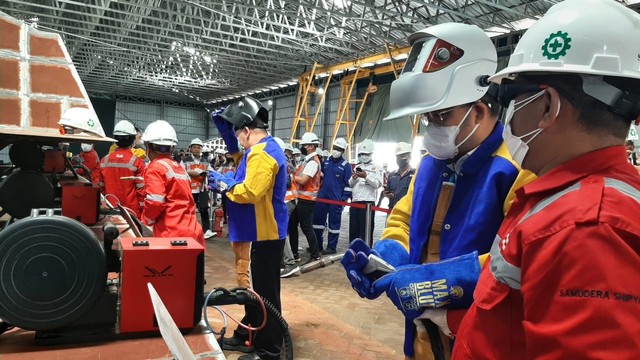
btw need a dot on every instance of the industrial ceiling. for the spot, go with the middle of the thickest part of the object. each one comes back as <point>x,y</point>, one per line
<point>210,51</point>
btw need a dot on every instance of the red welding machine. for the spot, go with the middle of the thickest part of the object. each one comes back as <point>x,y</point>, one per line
<point>175,267</point>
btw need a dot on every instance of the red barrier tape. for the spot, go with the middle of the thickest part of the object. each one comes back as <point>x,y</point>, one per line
<point>355,205</point>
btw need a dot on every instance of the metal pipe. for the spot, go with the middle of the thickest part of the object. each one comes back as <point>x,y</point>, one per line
<point>323,262</point>
<point>368,236</point>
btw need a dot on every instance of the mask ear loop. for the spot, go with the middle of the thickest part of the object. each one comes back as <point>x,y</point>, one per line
<point>472,131</point>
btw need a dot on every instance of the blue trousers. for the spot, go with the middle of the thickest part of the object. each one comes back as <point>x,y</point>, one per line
<point>320,219</point>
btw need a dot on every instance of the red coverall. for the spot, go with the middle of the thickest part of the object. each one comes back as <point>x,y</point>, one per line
<point>168,204</point>
<point>562,282</point>
<point>121,163</point>
<point>91,160</point>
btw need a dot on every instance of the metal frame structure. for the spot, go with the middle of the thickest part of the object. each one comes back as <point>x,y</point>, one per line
<point>213,51</point>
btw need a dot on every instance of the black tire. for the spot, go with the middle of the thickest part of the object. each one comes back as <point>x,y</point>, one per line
<point>22,191</point>
<point>52,271</point>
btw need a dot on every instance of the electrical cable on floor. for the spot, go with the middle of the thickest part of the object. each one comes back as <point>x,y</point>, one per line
<point>255,300</point>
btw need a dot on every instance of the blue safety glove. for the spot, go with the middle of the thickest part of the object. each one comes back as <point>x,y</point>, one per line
<point>226,131</point>
<point>219,182</point>
<point>392,252</point>
<point>446,284</point>
<point>354,261</point>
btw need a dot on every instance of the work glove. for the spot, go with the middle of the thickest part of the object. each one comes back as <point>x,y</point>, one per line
<point>219,182</point>
<point>446,284</point>
<point>392,252</point>
<point>354,261</point>
<point>226,131</point>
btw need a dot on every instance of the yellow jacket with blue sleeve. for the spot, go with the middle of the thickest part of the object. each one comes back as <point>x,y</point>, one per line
<point>484,190</point>
<point>256,207</point>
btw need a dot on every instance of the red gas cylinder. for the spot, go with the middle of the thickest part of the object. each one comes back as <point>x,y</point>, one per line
<point>218,221</point>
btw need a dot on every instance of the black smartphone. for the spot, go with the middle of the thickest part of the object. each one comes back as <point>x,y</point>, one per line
<point>358,169</point>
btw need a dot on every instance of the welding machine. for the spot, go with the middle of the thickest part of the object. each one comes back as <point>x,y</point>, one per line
<point>175,268</point>
<point>58,278</point>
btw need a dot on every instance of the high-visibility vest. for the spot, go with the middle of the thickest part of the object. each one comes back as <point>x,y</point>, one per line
<point>190,164</point>
<point>310,190</point>
<point>292,190</point>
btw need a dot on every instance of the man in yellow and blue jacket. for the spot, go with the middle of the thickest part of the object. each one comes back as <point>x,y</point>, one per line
<point>257,213</point>
<point>458,196</point>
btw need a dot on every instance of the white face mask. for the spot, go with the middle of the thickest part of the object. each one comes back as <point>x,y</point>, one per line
<point>297,158</point>
<point>336,154</point>
<point>518,148</point>
<point>441,140</point>
<point>86,147</point>
<point>365,158</point>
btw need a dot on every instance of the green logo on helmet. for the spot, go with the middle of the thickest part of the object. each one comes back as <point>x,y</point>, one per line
<point>556,45</point>
<point>90,123</point>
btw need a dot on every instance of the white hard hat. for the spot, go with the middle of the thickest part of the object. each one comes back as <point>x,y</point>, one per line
<point>593,37</point>
<point>366,147</point>
<point>403,148</point>
<point>220,151</point>
<point>309,138</point>
<point>160,132</point>
<point>448,66</point>
<point>82,119</point>
<point>124,128</point>
<point>196,141</point>
<point>288,146</point>
<point>340,143</point>
<point>280,142</point>
<point>296,151</point>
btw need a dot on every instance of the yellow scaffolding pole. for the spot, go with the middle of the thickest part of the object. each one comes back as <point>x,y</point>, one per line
<point>358,66</point>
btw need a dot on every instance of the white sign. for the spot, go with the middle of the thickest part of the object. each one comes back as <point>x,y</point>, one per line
<point>633,133</point>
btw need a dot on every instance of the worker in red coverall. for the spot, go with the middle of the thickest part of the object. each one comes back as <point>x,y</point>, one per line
<point>90,159</point>
<point>168,204</point>
<point>120,173</point>
<point>561,282</point>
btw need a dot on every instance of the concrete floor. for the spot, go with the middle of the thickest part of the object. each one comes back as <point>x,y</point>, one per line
<point>327,319</point>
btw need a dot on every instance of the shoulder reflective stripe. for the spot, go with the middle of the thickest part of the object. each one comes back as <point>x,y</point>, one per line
<point>503,271</point>
<point>348,189</point>
<point>118,165</point>
<point>139,185</point>
<point>548,201</point>
<point>623,187</point>
<point>344,163</point>
<point>156,198</point>
<point>172,174</point>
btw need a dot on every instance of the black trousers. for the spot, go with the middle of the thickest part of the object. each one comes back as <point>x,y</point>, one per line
<point>357,222</point>
<point>204,214</point>
<point>265,279</point>
<point>303,215</point>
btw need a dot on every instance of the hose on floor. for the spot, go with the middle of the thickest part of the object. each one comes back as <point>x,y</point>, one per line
<point>243,296</point>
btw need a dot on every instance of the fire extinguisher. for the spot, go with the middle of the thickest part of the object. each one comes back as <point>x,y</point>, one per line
<point>218,219</point>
